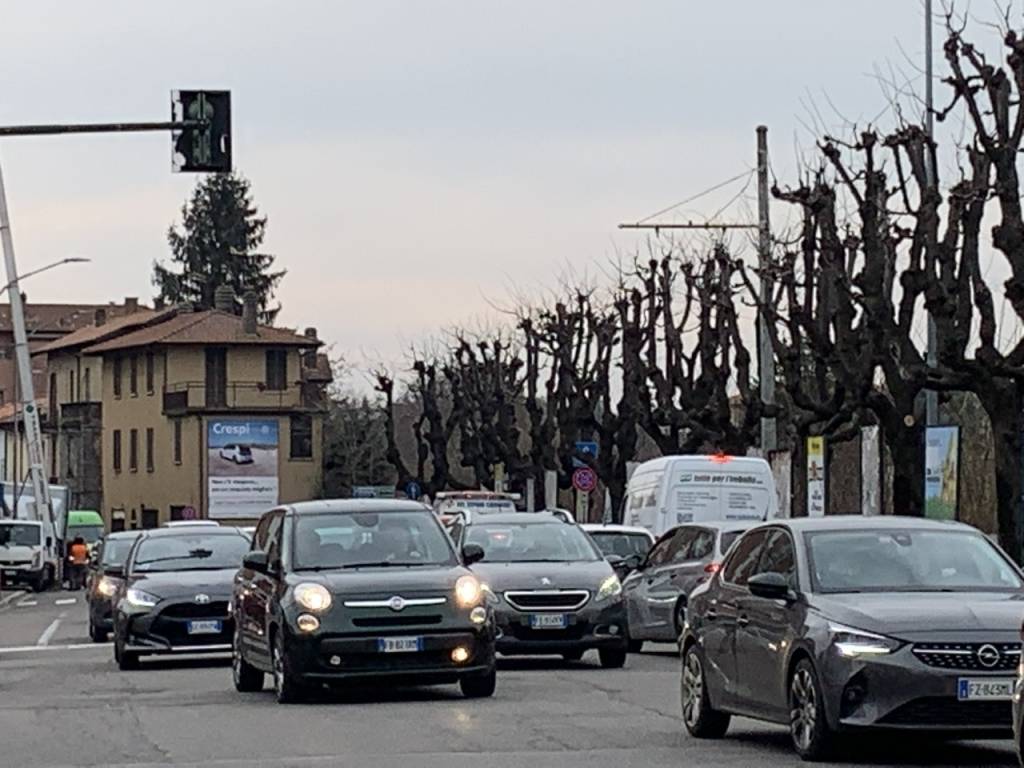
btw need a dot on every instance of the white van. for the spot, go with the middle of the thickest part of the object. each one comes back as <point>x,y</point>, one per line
<point>672,490</point>
<point>24,554</point>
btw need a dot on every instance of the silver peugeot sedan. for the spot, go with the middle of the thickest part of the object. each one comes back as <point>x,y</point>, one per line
<point>844,623</point>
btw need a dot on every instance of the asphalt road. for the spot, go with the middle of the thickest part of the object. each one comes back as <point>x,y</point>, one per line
<point>63,703</point>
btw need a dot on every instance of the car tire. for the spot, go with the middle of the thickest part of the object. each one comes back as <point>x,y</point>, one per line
<point>246,677</point>
<point>126,660</point>
<point>679,617</point>
<point>479,686</point>
<point>809,730</point>
<point>702,721</point>
<point>573,655</point>
<point>636,646</point>
<point>287,688</point>
<point>612,658</point>
<point>96,634</point>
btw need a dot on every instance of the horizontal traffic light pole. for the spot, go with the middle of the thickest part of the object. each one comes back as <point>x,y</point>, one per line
<point>50,130</point>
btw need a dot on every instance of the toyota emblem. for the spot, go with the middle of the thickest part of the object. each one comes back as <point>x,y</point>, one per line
<point>989,656</point>
<point>545,581</point>
<point>396,603</point>
<point>202,599</point>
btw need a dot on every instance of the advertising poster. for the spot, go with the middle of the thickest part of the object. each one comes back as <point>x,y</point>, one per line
<point>816,477</point>
<point>242,467</point>
<point>870,471</point>
<point>704,493</point>
<point>941,472</point>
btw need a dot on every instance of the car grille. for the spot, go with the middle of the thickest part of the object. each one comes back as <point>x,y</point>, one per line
<point>548,600</point>
<point>966,656</point>
<point>15,562</point>
<point>214,610</point>
<point>944,711</point>
<point>397,621</point>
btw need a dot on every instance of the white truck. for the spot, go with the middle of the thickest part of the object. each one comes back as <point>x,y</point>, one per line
<point>31,551</point>
<point>673,490</point>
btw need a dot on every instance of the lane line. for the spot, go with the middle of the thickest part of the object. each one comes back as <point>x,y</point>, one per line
<point>66,601</point>
<point>50,631</point>
<point>35,648</point>
<point>27,604</point>
<point>11,597</point>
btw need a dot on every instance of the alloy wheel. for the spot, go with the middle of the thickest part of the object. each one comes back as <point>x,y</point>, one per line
<point>693,689</point>
<point>803,709</point>
<point>278,671</point>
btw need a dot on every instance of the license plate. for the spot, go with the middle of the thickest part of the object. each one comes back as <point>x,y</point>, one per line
<point>208,627</point>
<point>984,689</point>
<point>400,644</point>
<point>549,621</point>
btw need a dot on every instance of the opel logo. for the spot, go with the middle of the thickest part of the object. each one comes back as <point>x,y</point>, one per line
<point>989,656</point>
<point>202,599</point>
<point>396,603</point>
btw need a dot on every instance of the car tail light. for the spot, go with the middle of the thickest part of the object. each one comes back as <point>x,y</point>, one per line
<point>721,458</point>
<point>713,568</point>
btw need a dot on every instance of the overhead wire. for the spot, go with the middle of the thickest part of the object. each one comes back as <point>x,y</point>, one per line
<point>749,172</point>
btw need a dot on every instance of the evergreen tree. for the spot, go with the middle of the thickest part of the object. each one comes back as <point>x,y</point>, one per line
<point>218,244</point>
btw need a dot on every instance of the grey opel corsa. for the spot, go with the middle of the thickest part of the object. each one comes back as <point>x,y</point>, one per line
<point>842,623</point>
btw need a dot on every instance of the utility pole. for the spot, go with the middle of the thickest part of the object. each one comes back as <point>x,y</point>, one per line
<point>765,354</point>
<point>931,396</point>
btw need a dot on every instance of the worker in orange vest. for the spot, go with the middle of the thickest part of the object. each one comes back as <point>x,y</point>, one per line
<point>78,558</point>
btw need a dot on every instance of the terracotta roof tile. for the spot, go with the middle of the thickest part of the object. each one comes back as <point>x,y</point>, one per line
<point>207,327</point>
<point>60,318</point>
<point>93,334</point>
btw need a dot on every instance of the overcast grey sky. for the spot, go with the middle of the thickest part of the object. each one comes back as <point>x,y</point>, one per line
<point>416,159</point>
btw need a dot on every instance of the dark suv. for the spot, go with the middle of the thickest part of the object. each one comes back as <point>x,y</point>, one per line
<point>333,591</point>
<point>553,591</point>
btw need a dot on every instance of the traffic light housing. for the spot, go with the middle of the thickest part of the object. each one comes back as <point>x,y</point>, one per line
<point>206,146</point>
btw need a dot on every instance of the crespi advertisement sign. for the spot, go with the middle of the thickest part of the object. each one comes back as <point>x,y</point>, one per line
<point>242,467</point>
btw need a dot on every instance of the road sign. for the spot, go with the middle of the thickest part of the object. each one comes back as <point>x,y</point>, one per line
<point>587,448</point>
<point>189,513</point>
<point>207,147</point>
<point>413,490</point>
<point>584,480</point>
<point>373,492</point>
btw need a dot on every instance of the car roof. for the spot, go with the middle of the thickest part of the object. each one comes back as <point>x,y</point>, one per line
<point>123,535</point>
<point>185,530</point>
<point>615,528</point>
<point>868,522</point>
<point>518,518</point>
<point>382,506</point>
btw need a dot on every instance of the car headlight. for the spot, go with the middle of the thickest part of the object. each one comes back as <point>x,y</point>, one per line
<point>312,597</point>
<point>136,598</point>
<point>610,587</point>
<point>106,587</point>
<point>852,642</point>
<point>468,591</point>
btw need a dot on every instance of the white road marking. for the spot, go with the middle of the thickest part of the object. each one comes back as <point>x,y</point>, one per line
<point>66,601</point>
<point>27,603</point>
<point>72,647</point>
<point>50,631</point>
<point>11,597</point>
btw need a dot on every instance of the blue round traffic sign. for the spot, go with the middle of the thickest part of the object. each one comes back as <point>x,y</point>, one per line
<point>413,490</point>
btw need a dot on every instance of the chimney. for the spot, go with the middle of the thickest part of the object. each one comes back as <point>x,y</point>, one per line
<point>224,299</point>
<point>131,305</point>
<point>309,357</point>
<point>158,303</point>
<point>249,313</point>
<point>100,316</point>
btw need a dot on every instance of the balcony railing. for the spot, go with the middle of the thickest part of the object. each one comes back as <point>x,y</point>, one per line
<point>194,396</point>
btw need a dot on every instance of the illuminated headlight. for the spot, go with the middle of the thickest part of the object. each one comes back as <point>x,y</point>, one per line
<point>467,591</point>
<point>136,598</point>
<point>851,642</point>
<point>478,615</point>
<point>312,597</point>
<point>107,588</point>
<point>307,623</point>
<point>610,587</point>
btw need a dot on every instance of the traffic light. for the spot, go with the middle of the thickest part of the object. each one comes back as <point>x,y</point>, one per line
<point>205,147</point>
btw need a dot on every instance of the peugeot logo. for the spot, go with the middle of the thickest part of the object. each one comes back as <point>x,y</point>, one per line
<point>202,599</point>
<point>545,581</point>
<point>396,603</point>
<point>989,656</point>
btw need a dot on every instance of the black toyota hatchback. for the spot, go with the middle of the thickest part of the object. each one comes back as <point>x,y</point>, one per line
<point>173,593</point>
<point>340,591</point>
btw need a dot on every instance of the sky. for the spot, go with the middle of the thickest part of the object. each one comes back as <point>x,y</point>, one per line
<point>422,163</point>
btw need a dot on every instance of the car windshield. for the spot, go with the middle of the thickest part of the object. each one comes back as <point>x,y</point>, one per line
<point>369,539</point>
<point>621,544</point>
<point>532,542</point>
<point>115,551</point>
<point>907,561</point>
<point>19,535</point>
<point>190,552</point>
<point>89,533</point>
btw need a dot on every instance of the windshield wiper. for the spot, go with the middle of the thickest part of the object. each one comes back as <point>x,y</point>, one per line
<point>385,564</point>
<point>195,554</point>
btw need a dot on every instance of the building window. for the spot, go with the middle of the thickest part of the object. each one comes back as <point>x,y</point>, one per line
<point>117,450</point>
<point>133,375</point>
<point>71,386</point>
<point>150,372</point>
<point>302,436</point>
<point>53,397</point>
<point>86,387</point>
<point>133,450</point>
<point>177,441</point>
<point>150,518</point>
<point>117,377</point>
<point>149,449</point>
<point>216,377</point>
<point>277,369</point>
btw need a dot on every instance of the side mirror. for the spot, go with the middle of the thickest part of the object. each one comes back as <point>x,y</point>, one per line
<point>472,553</point>
<point>49,541</point>
<point>256,561</point>
<point>773,586</point>
<point>117,571</point>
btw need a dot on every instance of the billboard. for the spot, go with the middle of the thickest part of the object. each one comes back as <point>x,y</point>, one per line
<point>242,468</point>
<point>941,472</point>
<point>816,488</point>
<point>870,471</point>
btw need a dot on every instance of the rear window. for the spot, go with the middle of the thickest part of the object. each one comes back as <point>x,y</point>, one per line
<point>622,544</point>
<point>728,539</point>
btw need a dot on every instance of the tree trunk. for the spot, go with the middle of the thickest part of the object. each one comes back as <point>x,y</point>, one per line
<point>907,450</point>
<point>1006,438</point>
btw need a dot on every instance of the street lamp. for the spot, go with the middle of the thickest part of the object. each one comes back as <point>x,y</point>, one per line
<point>45,268</point>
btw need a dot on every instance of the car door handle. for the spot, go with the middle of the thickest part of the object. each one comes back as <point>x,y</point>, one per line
<point>742,620</point>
